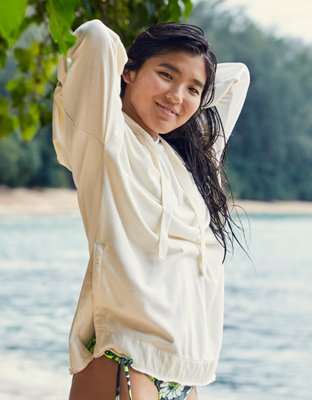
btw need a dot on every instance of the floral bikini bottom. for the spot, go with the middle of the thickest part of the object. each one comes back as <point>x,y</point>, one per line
<point>166,390</point>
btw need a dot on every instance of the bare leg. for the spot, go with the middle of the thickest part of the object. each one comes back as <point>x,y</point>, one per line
<point>193,395</point>
<point>98,382</point>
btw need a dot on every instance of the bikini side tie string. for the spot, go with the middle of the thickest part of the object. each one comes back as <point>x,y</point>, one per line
<point>124,363</point>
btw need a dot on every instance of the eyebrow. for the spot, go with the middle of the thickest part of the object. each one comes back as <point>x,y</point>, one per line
<point>175,69</point>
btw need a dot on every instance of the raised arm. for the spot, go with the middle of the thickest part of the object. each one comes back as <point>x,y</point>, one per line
<point>232,82</point>
<point>86,101</point>
<point>87,112</point>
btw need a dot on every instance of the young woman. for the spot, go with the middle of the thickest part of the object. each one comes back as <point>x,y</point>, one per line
<point>146,161</point>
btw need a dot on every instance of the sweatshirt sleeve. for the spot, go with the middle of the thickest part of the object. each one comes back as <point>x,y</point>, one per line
<point>87,105</point>
<point>231,85</point>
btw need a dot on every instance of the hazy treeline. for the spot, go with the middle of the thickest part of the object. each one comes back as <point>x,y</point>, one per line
<point>270,151</point>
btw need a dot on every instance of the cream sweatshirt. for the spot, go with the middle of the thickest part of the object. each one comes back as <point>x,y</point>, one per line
<point>153,289</point>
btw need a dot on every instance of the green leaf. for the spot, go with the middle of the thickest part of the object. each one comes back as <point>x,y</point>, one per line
<point>3,50</point>
<point>187,8</point>
<point>2,59</point>
<point>174,10</point>
<point>61,16</point>
<point>24,58</point>
<point>45,114</point>
<point>7,122</point>
<point>11,17</point>
<point>29,122</point>
<point>7,125</point>
<point>19,89</point>
<point>27,57</point>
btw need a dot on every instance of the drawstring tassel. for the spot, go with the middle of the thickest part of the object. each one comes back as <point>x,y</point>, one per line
<point>203,256</point>
<point>163,238</point>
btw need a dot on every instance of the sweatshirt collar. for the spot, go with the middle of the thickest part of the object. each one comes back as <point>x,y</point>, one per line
<point>137,129</point>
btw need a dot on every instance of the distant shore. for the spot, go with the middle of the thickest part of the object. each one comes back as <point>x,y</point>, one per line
<point>59,201</point>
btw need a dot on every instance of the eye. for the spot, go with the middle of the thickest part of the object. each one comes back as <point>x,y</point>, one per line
<point>166,75</point>
<point>194,90</point>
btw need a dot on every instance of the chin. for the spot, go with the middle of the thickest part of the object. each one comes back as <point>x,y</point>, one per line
<point>159,128</point>
<point>162,130</point>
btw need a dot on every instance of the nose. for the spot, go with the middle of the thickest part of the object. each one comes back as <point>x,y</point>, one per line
<point>175,95</point>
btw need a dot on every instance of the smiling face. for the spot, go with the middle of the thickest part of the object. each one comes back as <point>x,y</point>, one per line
<point>165,92</point>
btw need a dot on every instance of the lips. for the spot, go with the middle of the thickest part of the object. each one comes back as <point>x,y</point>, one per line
<point>167,110</point>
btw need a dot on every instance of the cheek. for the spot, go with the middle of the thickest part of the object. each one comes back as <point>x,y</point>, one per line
<point>146,89</point>
<point>153,86</point>
<point>192,106</point>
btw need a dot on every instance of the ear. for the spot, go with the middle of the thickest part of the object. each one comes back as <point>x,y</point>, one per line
<point>128,76</point>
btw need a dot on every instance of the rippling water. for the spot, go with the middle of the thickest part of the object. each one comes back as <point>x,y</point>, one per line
<point>267,344</point>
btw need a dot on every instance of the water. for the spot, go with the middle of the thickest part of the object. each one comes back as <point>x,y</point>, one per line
<point>267,344</point>
<point>267,352</point>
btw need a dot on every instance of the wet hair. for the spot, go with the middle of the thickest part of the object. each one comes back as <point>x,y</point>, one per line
<point>194,141</point>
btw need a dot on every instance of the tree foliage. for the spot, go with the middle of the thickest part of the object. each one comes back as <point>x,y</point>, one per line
<point>270,151</point>
<point>33,32</point>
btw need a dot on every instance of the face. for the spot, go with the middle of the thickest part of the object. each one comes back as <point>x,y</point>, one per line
<point>165,92</point>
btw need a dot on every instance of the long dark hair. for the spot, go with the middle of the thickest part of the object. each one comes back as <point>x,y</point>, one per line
<point>195,140</point>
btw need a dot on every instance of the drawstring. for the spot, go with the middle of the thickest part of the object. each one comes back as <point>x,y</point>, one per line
<point>165,220</point>
<point>166,211</point>
<point>185,181</point>
<point>167,208</point>
<point>124,363</point>
<point>203,255</point>
<point>166,202</point>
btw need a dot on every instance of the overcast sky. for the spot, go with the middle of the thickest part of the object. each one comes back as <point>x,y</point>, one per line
<point>288,17</point>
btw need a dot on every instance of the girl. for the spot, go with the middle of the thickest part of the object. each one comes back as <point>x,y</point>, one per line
<point>146,161</point>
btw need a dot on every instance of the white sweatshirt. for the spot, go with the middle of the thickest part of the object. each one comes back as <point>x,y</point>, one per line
<point>153,289</point>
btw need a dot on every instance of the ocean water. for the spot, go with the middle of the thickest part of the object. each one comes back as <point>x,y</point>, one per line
<point>267,342</point>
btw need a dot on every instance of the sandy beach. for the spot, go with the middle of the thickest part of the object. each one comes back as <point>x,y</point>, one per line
<point>37,201</point>
<point>58,201</point>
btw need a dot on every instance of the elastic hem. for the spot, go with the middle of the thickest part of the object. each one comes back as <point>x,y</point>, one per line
<point>152,361</point>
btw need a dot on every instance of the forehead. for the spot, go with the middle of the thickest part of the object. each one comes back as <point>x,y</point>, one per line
<point>191,65</point>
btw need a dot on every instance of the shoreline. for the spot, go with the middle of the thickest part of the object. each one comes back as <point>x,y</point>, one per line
<point>60,201</point>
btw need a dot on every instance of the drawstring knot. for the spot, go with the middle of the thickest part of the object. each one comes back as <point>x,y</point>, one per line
<point>125,362</point>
